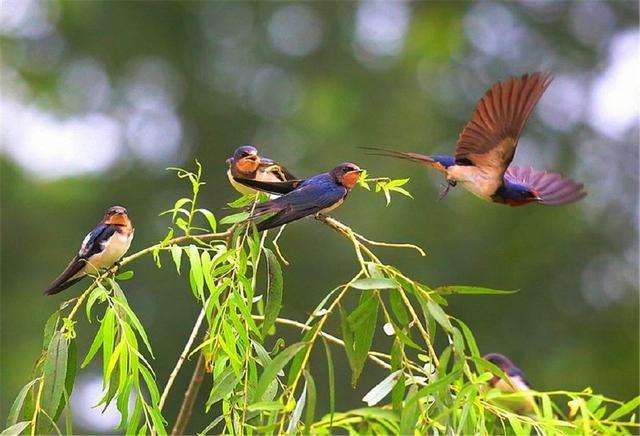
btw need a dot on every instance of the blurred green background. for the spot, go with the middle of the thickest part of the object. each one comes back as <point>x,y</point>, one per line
<point>99,97</point>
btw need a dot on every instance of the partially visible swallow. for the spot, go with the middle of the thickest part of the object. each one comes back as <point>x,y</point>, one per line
<point>101,248</point>
<point>517,383</point>
<point>247,164</point>
<point>487,145</point>
<point>318,194</point>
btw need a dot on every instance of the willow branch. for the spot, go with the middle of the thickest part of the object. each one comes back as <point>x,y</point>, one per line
<point>181,359</point>
<point>189,398</point>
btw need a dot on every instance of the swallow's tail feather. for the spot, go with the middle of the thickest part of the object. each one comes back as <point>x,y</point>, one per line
<point>270,187</point>
<point>66,279</point>
<point>550,188</point>
<point>413,157</point>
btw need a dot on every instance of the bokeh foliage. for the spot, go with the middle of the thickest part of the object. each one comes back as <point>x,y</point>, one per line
<point>215,68</point>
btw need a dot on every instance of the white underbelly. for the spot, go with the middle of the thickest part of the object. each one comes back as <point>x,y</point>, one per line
<point>113,250</point>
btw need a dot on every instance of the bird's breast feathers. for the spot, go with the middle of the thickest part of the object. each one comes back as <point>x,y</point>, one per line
<point>474,180</point>
<point>112,250</point>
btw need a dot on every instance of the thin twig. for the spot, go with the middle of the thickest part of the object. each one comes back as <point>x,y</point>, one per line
<point>189,398</point>
<point>372,355</point>
<point>182,358</point>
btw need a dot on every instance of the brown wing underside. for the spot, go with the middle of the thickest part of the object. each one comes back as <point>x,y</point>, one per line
<point>490,138</point>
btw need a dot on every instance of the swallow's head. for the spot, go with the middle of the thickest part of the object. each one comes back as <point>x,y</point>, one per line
<point>499,360</point>
<point>116,215</point>
<point>245,159</point>
<point>347,174</point>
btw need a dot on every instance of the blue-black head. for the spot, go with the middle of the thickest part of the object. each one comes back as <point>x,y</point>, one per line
<point>346,174</point>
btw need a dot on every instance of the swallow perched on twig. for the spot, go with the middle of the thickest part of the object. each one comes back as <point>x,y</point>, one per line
<point>101,248</point>
<point>247,164</point>
<point>487,145</point>
<point>517,383</point>
<point>317,194</point>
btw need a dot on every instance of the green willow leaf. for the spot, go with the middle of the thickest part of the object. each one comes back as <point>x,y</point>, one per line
<point>72,368</point>
<point>625,409</point>
<point>195,274</point>
<point>310,412</point>
<point>369,283</point>
<point>471,290</point>
<point>16,407</point>
<point>331,380</point>
<point>211,219</point>
<point>54,373</point>
<point>358,329</point>
<point>271,371</point>
<point>222,386</point>
<point>176,255</point>
<point>16,429</point>
<point>49,328</point>
<point>125,275</point>
<point>438,314</point>
<point>235,218</point>
<point>274,292</point>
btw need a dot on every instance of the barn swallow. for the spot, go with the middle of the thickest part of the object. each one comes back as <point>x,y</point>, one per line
<point>318,194</point>
<point>101,248</point>
<point>517,383</point>
<point>247,164</point>
<point>486,147</point>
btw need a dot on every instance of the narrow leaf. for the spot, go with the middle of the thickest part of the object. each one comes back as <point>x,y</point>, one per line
<point>271,371</point>
<point>379,391</point>
<point>274,291</point>
<point>16,407</point>
<point>438,314</point>
<point>370,283</point>
<point>54,372</point>
<point>16,429</point>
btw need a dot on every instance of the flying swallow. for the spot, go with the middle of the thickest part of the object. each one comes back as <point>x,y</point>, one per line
<point>101,248</point>
<point>517,383</point>
<point>486,147</point>
<point>247,164</point>
<point>318,194</point>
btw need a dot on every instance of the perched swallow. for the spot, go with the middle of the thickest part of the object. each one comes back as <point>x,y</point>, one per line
<point>317,194</point>
<point>517,383</point>
<point>487,145</point>
<point>247,164</point>
<point>102,247</point>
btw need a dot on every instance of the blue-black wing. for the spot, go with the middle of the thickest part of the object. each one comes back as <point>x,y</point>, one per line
<point>92,244</point>
<point>313,196</point>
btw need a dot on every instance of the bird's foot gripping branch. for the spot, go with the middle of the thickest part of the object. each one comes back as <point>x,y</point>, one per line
<point>436,380</point>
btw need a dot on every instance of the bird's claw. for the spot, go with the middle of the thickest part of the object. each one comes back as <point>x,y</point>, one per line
<point>445,190</point>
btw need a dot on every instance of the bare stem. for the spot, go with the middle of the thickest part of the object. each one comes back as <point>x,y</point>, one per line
<point>181,359</point>
<point>189,398</point>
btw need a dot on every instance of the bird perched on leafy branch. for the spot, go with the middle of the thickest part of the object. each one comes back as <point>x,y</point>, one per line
<point>318,194</point>
<point>487,145</point>
<point>247,164</point>
<point>517,382</point>
<point>101,248</point>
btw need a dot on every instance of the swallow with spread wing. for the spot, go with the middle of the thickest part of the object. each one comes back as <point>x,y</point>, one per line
<point>102,248</point>
<point>487,145</point>
<point>317,194</point>
<point>247,164</point>
<point>517,383</point>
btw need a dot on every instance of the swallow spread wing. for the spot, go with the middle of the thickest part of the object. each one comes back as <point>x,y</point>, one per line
<point>489,139</point>
<point>487,146</point>
<point>547,188</point>
<point>101,248</point>
<point>321,193</point>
